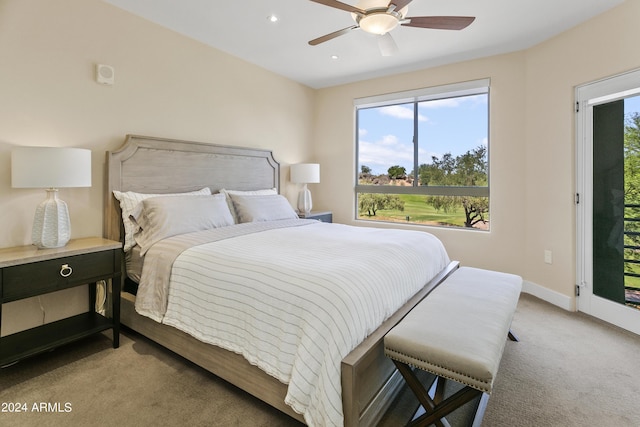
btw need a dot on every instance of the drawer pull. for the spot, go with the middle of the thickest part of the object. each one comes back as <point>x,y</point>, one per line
<point>65,270</point>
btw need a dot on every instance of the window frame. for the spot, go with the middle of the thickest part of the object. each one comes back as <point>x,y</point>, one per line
<point>469,88</point>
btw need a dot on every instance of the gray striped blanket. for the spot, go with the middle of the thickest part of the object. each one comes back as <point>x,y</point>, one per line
<point>293,297</point>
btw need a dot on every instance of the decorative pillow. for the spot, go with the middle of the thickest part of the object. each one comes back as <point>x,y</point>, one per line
<point>128,202</point>
<point>262,208</point>
<point>162,217</point>
<point>229,193</point>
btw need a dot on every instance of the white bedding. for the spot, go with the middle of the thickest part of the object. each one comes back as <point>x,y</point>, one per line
<point>295,300</point>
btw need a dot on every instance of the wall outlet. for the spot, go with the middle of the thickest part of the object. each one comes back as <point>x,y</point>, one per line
<point>548,257</point>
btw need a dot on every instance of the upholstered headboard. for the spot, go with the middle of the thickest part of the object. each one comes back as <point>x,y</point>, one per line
<point>159,165</point>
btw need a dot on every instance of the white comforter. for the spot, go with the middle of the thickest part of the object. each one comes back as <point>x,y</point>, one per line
<point>295,300</point>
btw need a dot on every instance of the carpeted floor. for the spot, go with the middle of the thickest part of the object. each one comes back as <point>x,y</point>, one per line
<point>567,370</point>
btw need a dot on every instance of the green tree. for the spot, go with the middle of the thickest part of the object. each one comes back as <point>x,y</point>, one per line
<point>632,159</point>
<point>397,172</point>
<point>475,209</point>
<point>371,203</point>
<point>468,169</point>
<point>471,167</point>
<point>439,172</point>
<point>444,203</point>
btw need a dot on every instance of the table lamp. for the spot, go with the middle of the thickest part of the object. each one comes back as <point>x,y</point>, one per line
<point>305,173</point>
<point>50,168</point>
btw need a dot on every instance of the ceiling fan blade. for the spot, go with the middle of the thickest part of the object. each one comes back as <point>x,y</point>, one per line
<point>399,4</point>
<point>439,22</point>
<point>340,5</point>
<point>333,35</point>
<point>387,45</point>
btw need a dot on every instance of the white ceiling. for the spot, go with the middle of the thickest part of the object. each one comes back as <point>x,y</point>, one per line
<point>241,28</point>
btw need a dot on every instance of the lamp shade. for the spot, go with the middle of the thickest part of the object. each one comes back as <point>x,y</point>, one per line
<point>50,167</point>
<point>305,173</point>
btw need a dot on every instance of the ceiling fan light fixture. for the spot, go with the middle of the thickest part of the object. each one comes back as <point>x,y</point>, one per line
<point>378,23</point>
<point>379,18</point>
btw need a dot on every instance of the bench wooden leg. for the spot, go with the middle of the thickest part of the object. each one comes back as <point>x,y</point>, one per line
<point>438,396</point>
<point>436,408</point>
<point>418,389</point>
<point>446,407</point>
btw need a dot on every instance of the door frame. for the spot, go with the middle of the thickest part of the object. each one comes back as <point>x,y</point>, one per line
<point>599,92</point>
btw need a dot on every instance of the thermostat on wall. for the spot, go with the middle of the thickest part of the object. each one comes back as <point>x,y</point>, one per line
<point>105,74</point>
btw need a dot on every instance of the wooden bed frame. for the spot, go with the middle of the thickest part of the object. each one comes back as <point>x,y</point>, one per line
<point>159,165</point>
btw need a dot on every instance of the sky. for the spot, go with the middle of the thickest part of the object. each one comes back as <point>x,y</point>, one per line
<point>632,105</point>
<point>452,125</point>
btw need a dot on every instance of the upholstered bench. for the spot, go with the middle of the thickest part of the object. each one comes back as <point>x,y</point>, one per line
<point>458,332</point>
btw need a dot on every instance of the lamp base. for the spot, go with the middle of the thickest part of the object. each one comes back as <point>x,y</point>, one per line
<point>51,226</point>
<point>304,200</point>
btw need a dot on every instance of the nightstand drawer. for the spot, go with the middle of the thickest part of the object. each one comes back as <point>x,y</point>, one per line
<point>35,278</point>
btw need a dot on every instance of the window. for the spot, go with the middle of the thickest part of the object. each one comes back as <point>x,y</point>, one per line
<point>443,178</point>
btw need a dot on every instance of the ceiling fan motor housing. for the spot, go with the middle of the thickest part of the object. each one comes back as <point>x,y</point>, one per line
<point>379,17</point>
<point>378,21</point>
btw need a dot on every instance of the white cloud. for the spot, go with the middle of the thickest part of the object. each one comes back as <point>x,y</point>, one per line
<point>389,140</point>
<point>387,152</point>
<point>400,112</point>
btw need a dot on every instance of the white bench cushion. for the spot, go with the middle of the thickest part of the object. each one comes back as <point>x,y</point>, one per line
<point>460,329</point>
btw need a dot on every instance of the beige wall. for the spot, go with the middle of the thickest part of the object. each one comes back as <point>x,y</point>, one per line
<point>165,85</point>
<point>532,142</point>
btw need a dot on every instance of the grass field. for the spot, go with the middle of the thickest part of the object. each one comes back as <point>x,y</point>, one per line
<point>419,212</point>
<point>631,281</point>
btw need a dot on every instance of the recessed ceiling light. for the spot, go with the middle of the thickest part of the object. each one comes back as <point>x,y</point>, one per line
<point>334,57</point>
<point>272,18</point>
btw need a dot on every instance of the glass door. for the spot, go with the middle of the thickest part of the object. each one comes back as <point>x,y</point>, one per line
<point>608,200</point>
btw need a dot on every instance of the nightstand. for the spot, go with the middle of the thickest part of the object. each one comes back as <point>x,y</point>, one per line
<point>26,271</point>
<point>326,216</point>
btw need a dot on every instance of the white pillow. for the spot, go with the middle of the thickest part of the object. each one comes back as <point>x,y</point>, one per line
<point>128,202</point>
<point>162,217</point>
<point>229,193</point>
<point>262,208</point>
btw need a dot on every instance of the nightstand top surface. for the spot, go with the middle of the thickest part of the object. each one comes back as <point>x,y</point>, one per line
<point>313,213</point>
<point>29,253</point>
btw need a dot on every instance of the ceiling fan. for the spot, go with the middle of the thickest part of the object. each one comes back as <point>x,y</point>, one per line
<point>372,16</point>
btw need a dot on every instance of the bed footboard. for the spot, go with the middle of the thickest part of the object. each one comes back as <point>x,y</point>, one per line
<point>370,381</point>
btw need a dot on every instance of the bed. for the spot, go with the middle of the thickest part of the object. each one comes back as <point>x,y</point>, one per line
<point>367,379</point>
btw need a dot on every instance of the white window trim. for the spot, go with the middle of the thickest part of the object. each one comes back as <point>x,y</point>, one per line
<point>472,87</point>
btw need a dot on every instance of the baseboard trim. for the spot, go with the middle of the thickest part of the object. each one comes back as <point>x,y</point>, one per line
<point>552,297</point>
